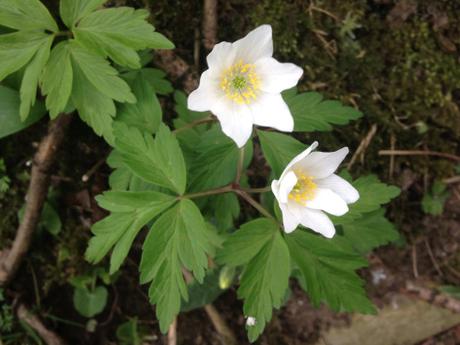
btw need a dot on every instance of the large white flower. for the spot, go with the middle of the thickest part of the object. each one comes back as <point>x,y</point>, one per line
<point>309,186</point>
<point>243,86</point>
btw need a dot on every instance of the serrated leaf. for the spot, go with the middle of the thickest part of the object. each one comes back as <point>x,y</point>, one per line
<point>26,15</point>
<point>154,77</point>
<point>177,238</point>
<point>279,149</point>
<point>312,113</point>
<point>31,76</point>
<point>158,161</point>
<point>260,246</point>
<point>216,160</point>
<point>327,271</point>
<point>225,209</point>
<point>146,113</point>
<point>118,32</point>
<point>9,112</point>
<point>72,11</point>
<point>57,78</point>
<point>18,48</point>
<point>372,194</point>
<point>130,212</point>
<point>101,75</point>
<point>370,231</point>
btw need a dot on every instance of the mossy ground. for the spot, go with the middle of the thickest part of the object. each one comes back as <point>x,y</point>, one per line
<point>403,74</point>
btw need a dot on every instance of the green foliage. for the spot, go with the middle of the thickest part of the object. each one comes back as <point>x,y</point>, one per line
<point>130,212</point>
<point>49,219</point>
<point>178,238</point>
<point>4,179</point>
<point>75,73</point>
<point>90,302</point>
<point>312,113</point>
<point>279,149</point>
<point>433,201</point>
<point>204,293</point>
<point>260,247</point>
<point>327,271</point>
<point>131,333</point>
<point>451,290</point>
<point>158,161</point>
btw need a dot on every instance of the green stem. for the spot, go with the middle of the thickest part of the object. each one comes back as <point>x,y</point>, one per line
<point>239,168</point>
<point>255,204</point>
<point>194,124</point>
<point>220,190</point>
<point>257,190</point>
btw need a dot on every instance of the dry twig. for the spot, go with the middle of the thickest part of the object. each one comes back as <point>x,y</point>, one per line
<point>433,296</point>
<point>419,153</point>
<point>11,259</point>
<point>172,333</point>
<point>363,145</point>
<point>35,323</point>
<point>209,23</point>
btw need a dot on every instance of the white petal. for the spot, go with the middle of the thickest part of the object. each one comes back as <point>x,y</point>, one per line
<point>290,220</point>
<point>328,201</point>
<point>222,56</point>
<point>207,93</point>
<point>340,186</point>
<point>318,222</point>
<point>285,186</point>
<point>255,45</point>
<point>270,110</point>
<point>322,164</point>
<point>235,120</point>
<point>275,76</point>
<point>299,158</point>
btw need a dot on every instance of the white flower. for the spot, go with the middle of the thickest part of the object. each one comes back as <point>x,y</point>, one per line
<point>251,321</point>
<point>309,186</point>
<point>243,86</point>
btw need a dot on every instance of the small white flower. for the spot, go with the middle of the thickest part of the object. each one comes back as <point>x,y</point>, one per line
<point>251,321</point>
<point>243,86</point>
<point>309,186</point>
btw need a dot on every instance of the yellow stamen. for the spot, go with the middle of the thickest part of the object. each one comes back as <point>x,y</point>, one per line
<point>304,190</point>
<point>240,82</point>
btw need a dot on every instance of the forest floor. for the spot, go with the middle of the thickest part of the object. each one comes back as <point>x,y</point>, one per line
<point>396,60</point>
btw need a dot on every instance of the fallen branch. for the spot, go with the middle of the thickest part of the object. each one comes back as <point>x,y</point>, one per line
<point>172,333</point>
<point>419,153</point>
<point>11,259</point>
<point>35,323</point>
<point>209,23</point>
<point>434,296</point>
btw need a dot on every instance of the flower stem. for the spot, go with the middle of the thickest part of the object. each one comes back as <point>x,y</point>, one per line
<point>239,168</point>
<point>194,124</point>
<point>225,189</point>
<point>255,204</point>
<point>257,190</point>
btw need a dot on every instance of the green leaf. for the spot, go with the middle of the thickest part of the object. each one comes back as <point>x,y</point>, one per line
<point>131,333</point>
<point>56,81</point>
<point>18,48</point>
<point>73,10</point>
<point>260,246</point>
<point>32,74</point>
<point>177,238</point>
<point>118,32</point>
<point>26,15</point>
<point>158,161</point>
<point>216,160</point>
<point>433,201</point>
<point>312,113</point>
<point>327,271</point>
<point>370,231</point>
<point>9,112</point>
<point>279,149</point>
<point>90,303</point>
<point>154,77</point>
<point>225,209</point>
<point>146,113</point>
<point>202,294</point>
<point>372,194</point>
<point>130,212</point>
<point>451,290</point>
